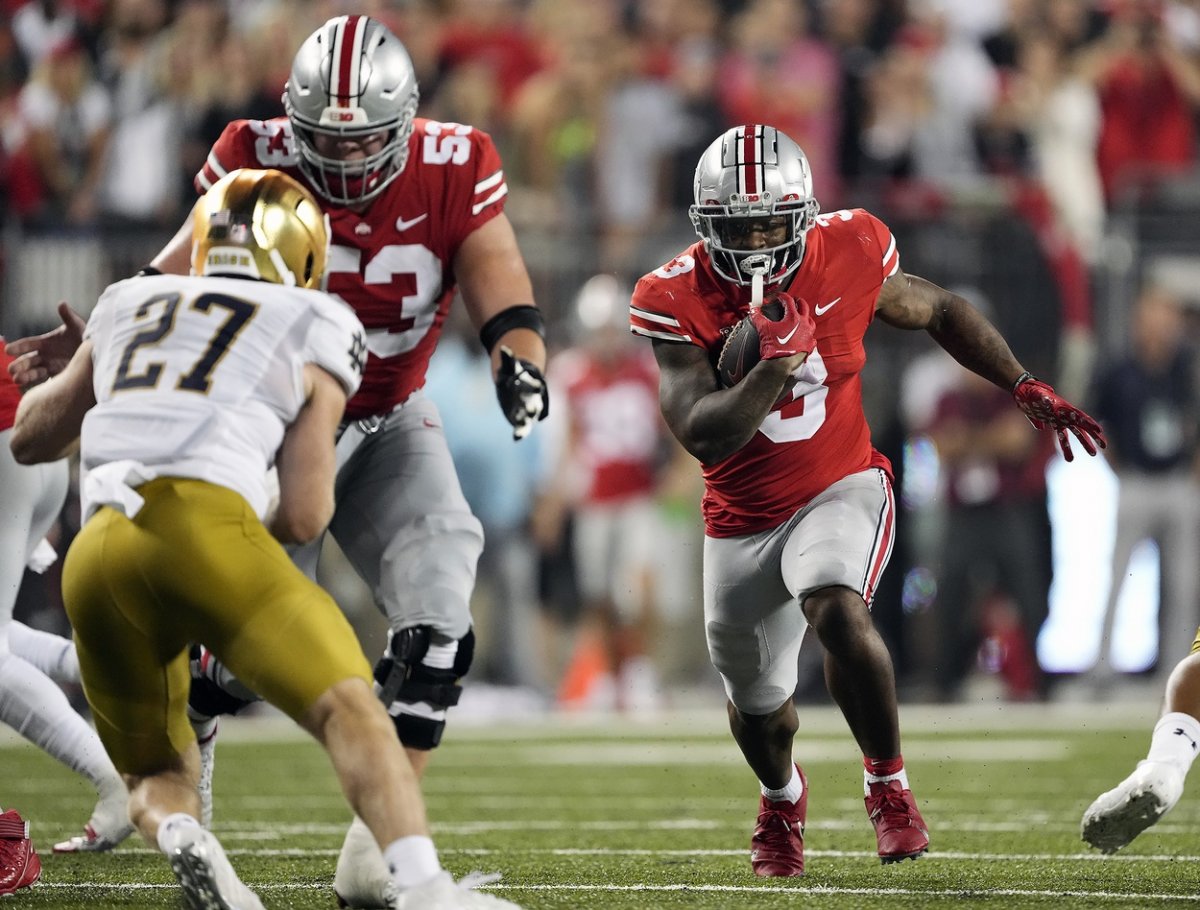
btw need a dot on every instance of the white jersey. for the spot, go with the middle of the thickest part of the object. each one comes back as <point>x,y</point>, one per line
<point>200,376</point>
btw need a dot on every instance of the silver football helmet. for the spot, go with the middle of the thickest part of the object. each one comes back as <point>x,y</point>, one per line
<point>352,78</point>
<point>753,172</point>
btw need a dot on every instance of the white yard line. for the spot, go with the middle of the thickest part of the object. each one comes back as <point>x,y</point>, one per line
<point>816,890</point>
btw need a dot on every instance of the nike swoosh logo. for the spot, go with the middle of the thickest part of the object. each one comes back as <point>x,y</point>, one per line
<point>402,225</point>
<point>784,339</point>
<point>822,310</point>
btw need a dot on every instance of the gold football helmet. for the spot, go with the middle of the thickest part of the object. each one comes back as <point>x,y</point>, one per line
<point>260,224</point>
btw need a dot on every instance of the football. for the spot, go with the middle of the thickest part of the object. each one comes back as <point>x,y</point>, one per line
<point>739,353</point>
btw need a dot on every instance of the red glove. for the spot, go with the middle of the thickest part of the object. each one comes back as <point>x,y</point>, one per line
<point>791,331</point>
<point>1046,410</point>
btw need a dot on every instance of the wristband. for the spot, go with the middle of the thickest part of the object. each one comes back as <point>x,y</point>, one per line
<point>521,316</point>
<point>1022,378</point>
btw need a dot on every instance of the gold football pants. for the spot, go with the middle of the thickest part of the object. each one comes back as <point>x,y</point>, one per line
<point>194,565</point>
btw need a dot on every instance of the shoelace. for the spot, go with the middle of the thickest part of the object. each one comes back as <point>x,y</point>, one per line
<point>886,800</point>
<point>776,830</point>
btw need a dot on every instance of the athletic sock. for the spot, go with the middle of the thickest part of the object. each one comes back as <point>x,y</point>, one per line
<point>411,861</point>
<point>789,792</point>
<point>1175,741</point>
<point>883,770</point>
<point>173,823</point>
<point>50,653</point>
<point>33,705</point>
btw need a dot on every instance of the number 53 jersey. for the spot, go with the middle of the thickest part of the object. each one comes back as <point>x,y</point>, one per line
<point>392,262</point>
<point>817,433</point>
<point>199,376</point>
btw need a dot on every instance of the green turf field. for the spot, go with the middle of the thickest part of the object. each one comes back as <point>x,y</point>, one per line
<point>581,813</point>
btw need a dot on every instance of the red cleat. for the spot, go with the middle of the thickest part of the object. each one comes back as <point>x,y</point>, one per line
<point>899,828</point>
<point>20,865</point>
<point>777,847</point>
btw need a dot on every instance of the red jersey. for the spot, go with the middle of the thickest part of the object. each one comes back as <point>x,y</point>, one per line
<point>817,434</point>
<point>615,422</point>
<point>393,263</point>
<point>10,395</point>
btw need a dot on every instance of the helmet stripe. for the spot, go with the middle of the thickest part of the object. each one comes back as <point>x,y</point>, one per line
<point>347,51</point>
<point>750,160</point>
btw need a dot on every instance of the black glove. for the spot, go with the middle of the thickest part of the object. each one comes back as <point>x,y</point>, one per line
<point>522,392</point>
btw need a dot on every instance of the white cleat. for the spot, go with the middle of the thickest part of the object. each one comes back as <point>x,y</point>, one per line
<point>204,873</point>
<point>444,893</point>
<point>108,826</point>
<point>1121,814</point>
<point>362,880</point>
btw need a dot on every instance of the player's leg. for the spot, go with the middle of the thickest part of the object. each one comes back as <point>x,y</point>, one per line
<point>1118,816</point>
<point>30,702</point>
<point>285,638</point>
<point>133,661</point>
<point>754,630</point>
<point>405,526</point>
<point>832,560</point>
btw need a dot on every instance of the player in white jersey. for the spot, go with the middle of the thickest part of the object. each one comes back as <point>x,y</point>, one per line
<point>185,391</point>
<point>33,662</point>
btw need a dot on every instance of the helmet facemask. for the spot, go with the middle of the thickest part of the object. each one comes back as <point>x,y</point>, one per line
<point>725,229</point>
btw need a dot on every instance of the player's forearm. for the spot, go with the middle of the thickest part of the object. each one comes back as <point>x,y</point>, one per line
<point>722,422</point>
<point>976,344</point>
<point>176,257</point>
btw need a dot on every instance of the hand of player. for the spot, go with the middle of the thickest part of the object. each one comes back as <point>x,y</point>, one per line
<point>38,357</point>
<point>1047,410</point>
<point>794,332</point>
<point>522,392</point>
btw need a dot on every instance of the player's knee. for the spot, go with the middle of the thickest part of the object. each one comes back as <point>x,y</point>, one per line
<point>417,679</point>
<point>838,616</point>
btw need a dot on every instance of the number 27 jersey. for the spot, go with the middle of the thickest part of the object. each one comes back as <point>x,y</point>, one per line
<point>393,262</point>
<point>817,433</point>
<point>199,376</point>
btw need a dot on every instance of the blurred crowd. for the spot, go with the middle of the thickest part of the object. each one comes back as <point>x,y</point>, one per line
<point>1059,111</point>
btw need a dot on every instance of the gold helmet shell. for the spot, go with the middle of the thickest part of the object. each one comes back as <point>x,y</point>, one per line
<point>260,224</point>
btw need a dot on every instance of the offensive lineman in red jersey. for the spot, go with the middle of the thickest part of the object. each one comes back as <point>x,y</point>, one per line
<point>416,210</point>
<point>798,505</point>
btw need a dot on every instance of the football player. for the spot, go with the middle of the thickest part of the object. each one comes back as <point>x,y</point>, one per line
<point>1119,815</point>
<point>32,662</point>
<point>416,209</point>
<point>798,506</point>
<point>186,390</point>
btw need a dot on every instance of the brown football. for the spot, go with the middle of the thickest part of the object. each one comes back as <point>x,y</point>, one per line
<point>739,354</point>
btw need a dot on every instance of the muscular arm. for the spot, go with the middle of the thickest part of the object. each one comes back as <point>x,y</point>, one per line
<point>492,277</point>
<point>306,461</point>
<point>909,302</point>
<point>710,422</point>
<point>50,415</point>
<point>176,257</point>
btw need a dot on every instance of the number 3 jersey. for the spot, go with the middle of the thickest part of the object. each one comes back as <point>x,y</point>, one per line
<point>393,263</point>
<point>817,433</point>
<point>199,377</point>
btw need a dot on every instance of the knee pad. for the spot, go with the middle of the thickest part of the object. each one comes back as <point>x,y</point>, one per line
<point>417,681</point>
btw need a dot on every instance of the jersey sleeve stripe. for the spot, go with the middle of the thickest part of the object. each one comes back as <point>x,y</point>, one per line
<point>891,259</point>
<point>488,182</point>
<point>651,316</point>
<point>664,336</point>
<point>891,249</point>
<point>499,194</point>
<point>213,164</point>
